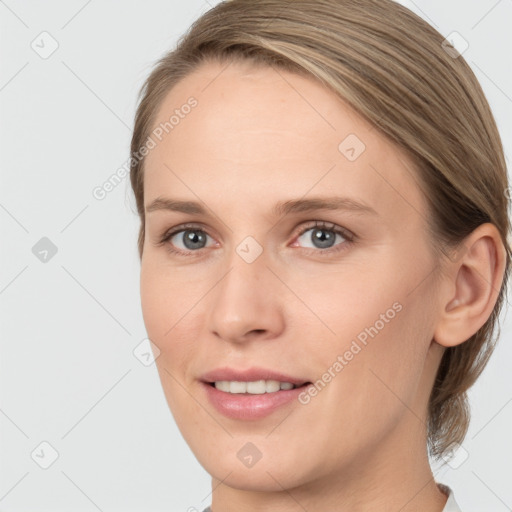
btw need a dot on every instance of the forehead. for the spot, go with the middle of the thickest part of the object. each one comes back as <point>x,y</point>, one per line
<point>258,135</point>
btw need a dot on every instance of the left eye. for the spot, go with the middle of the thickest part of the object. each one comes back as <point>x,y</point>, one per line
<point>322,237</point>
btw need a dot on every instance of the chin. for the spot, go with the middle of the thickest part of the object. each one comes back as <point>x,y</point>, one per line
<point>257,479</point>
<point>270,473</point>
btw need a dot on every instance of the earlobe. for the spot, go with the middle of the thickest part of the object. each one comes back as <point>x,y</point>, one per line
<point>472,283</point>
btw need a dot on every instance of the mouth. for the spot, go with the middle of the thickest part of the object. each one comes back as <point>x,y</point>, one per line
<point>229,381</point>
<point>251,393</point>
<point>252,400</point>
<point>258,387</point>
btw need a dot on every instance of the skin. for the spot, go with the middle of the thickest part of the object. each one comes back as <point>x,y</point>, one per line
<point>259,136</point>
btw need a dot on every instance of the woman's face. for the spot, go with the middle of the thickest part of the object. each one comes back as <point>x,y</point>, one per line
<point>348,305</point>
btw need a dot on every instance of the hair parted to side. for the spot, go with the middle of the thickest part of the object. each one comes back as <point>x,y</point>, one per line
<point>389,65</point>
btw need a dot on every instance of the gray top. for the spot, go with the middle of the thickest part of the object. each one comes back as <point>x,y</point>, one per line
<point>451,504</point>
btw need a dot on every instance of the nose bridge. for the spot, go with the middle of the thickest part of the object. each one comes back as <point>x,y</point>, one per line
<point>245,299</point>
<point>246,261</point>
<point>243,284</point>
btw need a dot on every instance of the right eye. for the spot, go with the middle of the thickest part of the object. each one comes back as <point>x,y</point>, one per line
<point>185,240</point>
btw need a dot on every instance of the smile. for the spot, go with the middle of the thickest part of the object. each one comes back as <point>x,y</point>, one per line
<point>257,387</point>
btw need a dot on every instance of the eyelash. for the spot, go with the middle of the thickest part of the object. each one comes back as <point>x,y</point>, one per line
<point>347,235</point>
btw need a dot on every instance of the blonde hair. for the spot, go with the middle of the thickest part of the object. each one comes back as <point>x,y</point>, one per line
<point>394,69</point>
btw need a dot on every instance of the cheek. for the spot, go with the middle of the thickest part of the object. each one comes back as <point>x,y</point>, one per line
<point>383,380</point>
<point>373,387</point>
<point>154,302</point>
<point>168,309</point>
<point>169,317</point>
<point>167,294</point>
<point>372,334</point>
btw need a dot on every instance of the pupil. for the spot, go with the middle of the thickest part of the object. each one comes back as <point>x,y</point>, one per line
<point>192,238</point>
<point>323,237</point>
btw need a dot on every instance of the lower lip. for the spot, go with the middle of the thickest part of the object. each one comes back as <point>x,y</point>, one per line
<point>246,406</point>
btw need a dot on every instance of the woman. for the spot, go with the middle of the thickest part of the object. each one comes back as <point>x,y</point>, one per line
<point>324,250</point>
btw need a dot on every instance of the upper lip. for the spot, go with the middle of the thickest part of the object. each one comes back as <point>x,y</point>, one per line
<point>249,375</point>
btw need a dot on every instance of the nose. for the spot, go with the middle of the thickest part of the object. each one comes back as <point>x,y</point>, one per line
<point>245,304</point>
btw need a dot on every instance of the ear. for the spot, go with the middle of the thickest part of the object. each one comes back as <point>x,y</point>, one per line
<point>471,285</point>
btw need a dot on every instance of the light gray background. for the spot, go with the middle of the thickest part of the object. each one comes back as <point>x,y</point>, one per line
<point>69,326</point>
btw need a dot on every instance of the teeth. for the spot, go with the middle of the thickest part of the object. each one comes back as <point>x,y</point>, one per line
<point>257,387</point>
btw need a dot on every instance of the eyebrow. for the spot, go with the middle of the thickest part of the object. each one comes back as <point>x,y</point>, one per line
<point>281,208</point>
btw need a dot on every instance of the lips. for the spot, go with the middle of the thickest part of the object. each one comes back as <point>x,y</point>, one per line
<point>247,406</point>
